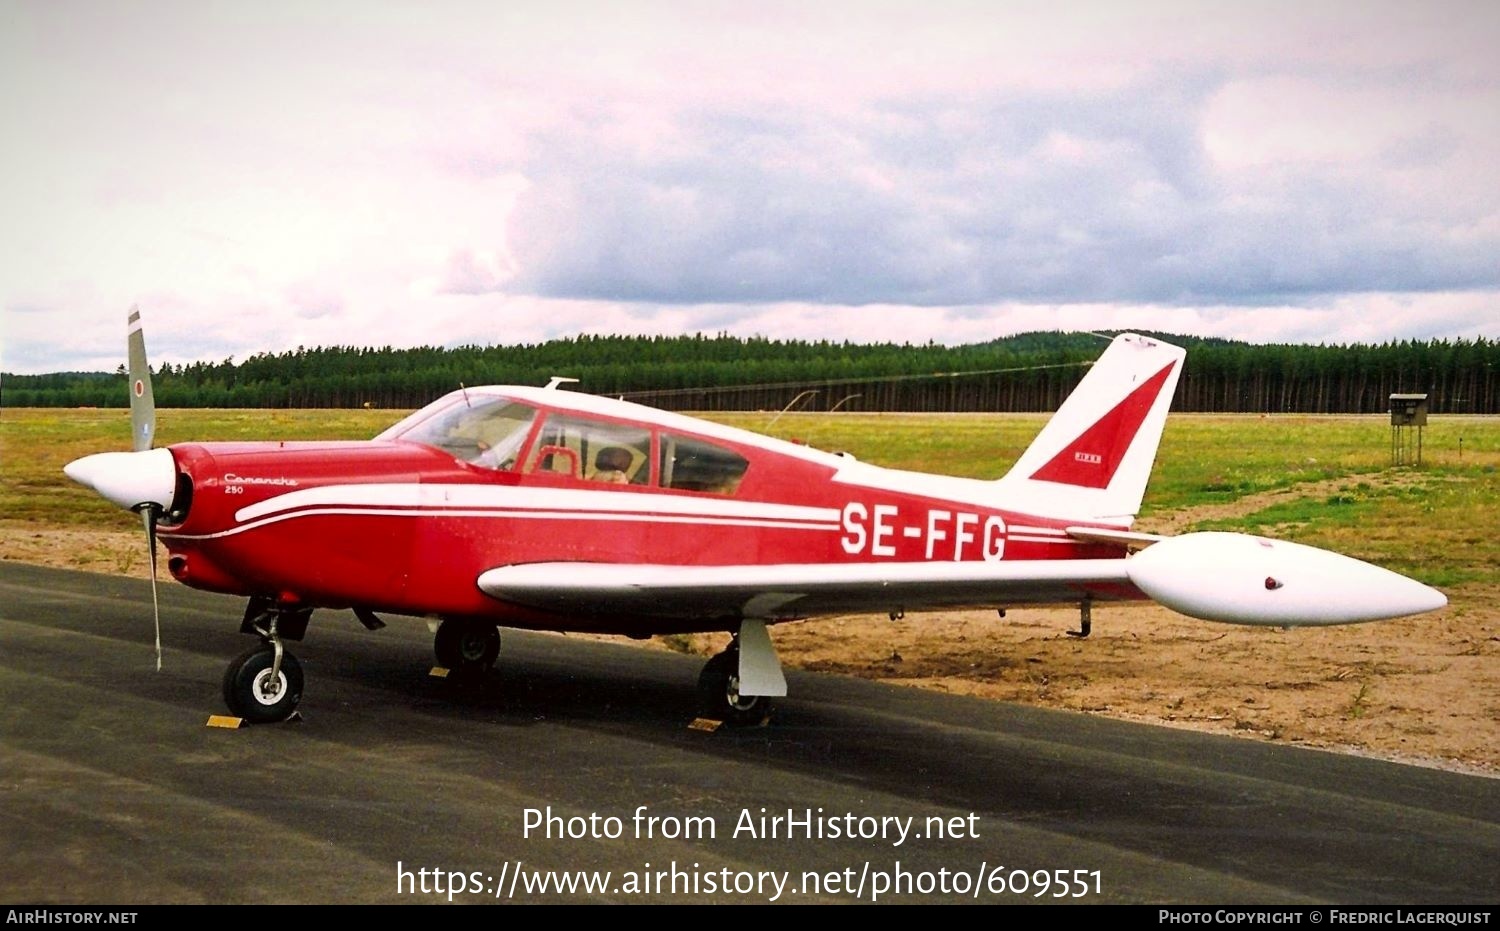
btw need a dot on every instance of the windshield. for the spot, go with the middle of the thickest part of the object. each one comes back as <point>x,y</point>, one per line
<point>489,432</point>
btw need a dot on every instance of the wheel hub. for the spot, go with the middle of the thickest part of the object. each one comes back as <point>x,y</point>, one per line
<point>268,690</point>
<point>737,701</point>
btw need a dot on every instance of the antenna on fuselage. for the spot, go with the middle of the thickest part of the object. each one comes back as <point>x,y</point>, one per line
<point>808,393</point>
<point>559,380</point>
<point>466,395</point>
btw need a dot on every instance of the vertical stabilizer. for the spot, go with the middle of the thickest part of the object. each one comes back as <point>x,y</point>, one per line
<point>1093,458</point>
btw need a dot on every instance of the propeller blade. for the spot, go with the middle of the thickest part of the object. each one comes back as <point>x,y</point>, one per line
<point>142,432</point>
<point>142,402</point>
<point>148,517</point>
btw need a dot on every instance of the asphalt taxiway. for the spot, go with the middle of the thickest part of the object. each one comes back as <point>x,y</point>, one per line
<point>113,790</point>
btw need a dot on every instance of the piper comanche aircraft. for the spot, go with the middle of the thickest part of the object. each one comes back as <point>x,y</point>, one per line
<point>555,510</point>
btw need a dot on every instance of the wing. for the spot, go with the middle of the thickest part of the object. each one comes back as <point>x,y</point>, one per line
<point>780,592</point>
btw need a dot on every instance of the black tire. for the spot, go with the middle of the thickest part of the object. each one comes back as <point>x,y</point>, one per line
<point>467,646</point>
<point>246,684</point>
<point>719,692</point>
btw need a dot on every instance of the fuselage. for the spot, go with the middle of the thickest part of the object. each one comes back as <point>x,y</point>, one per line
<point>493,477</point>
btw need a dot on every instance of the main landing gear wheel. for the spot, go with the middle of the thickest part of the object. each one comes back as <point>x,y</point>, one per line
<point>252,693</point>
<point>719,691</point>
<point>467,647</point>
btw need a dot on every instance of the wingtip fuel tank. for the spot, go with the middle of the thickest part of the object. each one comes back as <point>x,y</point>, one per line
<point>1245,579</point>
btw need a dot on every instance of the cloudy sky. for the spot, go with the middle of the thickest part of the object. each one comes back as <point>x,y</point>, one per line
<point>262,175</point>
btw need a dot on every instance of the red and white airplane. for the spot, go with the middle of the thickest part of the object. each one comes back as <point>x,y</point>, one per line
<point>554,510</point>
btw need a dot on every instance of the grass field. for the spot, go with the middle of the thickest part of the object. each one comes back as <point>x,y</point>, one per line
<point>1337,488</point>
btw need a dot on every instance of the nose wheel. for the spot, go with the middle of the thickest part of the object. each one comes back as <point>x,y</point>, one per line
<point>261,686</point>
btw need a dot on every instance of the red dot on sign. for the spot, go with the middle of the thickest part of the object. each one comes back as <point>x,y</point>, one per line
<point>140,387</point>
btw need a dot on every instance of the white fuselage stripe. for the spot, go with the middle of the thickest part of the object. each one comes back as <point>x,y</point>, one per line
<point>511,514</point>
<point>412,499</point>
<point>488,497</point>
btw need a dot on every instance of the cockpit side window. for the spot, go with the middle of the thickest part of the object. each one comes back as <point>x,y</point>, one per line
<point>691,464</point>
<point>592,450</point>
<point>490,432</point>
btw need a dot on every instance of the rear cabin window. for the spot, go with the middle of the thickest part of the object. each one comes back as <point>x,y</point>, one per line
<point>592,450</point>
<point>691,464</point>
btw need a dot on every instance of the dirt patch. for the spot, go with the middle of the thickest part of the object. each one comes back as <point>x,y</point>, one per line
<point>109,551</point>
<point>1421,690</point>
<point>1179,521</point>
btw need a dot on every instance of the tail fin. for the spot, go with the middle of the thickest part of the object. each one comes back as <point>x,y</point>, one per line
<point>1093,458</point>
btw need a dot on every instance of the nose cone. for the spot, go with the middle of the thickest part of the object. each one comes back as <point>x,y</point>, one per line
<point>129,479</point>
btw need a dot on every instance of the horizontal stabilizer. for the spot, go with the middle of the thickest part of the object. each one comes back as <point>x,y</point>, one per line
<point>1130,538</point>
